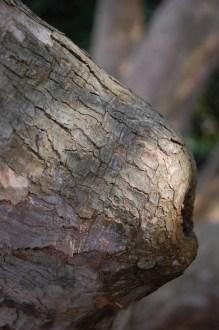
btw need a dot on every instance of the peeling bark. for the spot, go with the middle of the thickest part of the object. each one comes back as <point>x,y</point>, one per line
<point>96,190</point>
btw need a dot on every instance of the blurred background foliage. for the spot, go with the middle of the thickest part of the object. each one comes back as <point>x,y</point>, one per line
<point>75,19</point>
<point>72,17</point>
<point>204,132</point>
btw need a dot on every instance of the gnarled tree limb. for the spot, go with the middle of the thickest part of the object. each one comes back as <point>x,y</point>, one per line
<point>96,190</point>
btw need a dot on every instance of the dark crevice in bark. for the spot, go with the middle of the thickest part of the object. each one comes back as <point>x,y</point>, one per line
<point>92,321</point>
<point>187,213</point>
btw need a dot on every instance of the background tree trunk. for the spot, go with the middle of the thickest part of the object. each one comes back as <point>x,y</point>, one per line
<point>179,52</point>
<point>96,190</point>
<point>118,28</point>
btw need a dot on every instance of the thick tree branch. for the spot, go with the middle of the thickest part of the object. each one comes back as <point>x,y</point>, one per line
<point>96,190</point>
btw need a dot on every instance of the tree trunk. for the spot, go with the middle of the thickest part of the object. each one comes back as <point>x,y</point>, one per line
<point>118,29</point>
<point>96,190</point>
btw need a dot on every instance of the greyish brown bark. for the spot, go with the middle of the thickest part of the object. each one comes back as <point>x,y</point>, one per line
<point>96,190</point>
<point>118,29</point>
<point>179,52</point>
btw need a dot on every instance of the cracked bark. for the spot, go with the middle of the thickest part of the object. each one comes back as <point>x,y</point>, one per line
<point>96,189</point>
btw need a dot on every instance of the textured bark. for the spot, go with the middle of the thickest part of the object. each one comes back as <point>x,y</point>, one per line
<point>178,54</point>
<point>96,190</point>
<point>188,303</point>
<point>118,28</point>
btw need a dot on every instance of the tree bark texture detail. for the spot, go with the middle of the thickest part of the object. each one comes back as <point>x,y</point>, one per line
<point>96,190</point>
